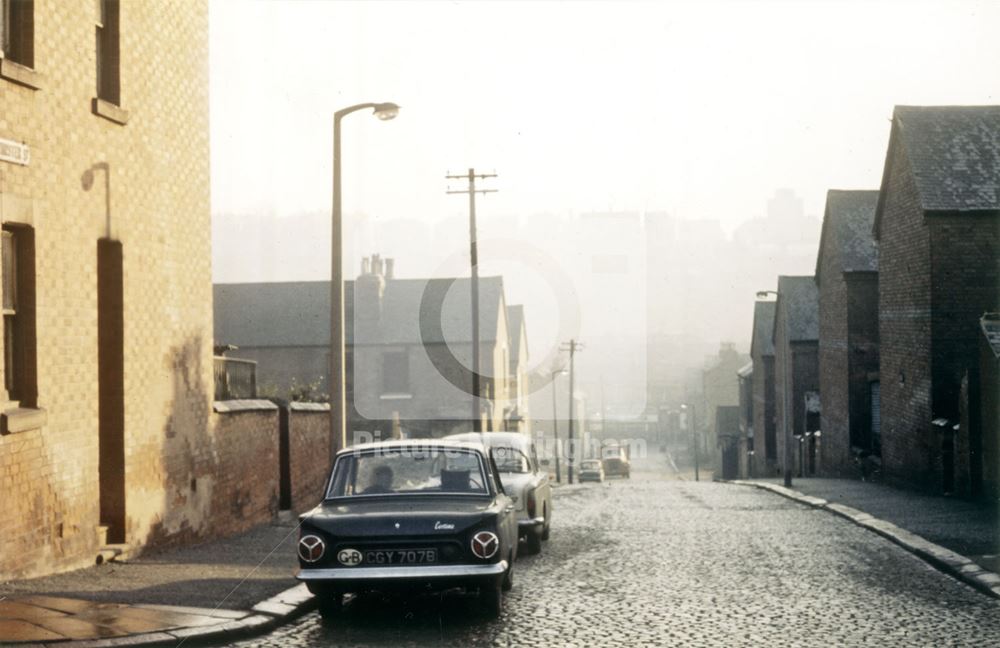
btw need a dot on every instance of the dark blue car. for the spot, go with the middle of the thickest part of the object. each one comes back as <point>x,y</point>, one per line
<point>411,516</point>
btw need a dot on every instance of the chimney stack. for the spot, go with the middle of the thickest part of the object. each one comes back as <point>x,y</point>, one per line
<point>389,268</point>
<point>369,290</point>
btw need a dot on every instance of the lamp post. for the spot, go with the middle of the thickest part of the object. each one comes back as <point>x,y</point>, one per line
<point>555,420</point>
<point>572,346</point>
<point>786,429</point>
<point>338,397</point>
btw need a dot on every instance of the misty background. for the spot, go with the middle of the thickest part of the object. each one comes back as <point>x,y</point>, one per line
<point>658,163</point>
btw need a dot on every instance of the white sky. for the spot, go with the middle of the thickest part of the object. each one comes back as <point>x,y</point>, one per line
<point>699,109</point>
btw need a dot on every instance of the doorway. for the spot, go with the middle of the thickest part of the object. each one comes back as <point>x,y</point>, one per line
<point>111,387</point>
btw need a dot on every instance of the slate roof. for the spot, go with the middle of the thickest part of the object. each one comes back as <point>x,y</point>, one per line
<point>763,328</point>
<point>847,231</point>
<point>297,313</point>
<point>798,301</point>
<point>954,152</point>
<point>515,317</point>
<point>954,155</point>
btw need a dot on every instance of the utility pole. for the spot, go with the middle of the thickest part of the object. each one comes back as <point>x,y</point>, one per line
<point>471,176</point>
<point>697,444</point>
<point>572,346</point>
<point>555,421</point>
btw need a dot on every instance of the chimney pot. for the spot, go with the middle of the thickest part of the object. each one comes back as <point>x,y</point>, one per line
<point>389,268</point>
<point>365,266</point>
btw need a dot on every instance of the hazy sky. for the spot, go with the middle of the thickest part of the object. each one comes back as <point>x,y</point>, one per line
<point>700,109</point>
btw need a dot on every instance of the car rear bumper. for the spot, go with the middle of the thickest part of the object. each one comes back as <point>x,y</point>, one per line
<point>402,573</point>
<point>531,523</point>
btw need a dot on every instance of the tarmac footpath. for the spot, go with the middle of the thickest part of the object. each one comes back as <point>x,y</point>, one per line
<point>214,592</point>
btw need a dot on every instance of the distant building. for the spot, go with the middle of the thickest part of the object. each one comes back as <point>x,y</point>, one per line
<point>728,442</point>
<point>518,416</point>
<point>720,387</point>
<point>847,279</point>
<point>762,391</point>
<point>409,348</point>
<point>936,224</point>
<point>796,341</point>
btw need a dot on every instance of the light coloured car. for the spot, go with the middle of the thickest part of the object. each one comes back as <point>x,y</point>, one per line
<point>523,479</point>
<point>591,470</point>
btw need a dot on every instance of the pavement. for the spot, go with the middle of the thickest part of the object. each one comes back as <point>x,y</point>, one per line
<point>214,592</point>
<point>959,537</point>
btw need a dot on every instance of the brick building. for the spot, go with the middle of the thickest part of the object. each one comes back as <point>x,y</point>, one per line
<point>720,387</point>
<point>727,441</point>
<point>983,410</point>
<point>106,426</point>
<point>847,279</point>
<point>408,347</point>
<point>939,246</point>
<point>762,396</point>
<point>796,342</point>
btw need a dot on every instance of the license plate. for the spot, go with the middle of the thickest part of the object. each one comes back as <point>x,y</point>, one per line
<point>400,556</point>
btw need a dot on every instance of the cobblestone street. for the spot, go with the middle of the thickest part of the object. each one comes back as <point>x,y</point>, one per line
<point>658,561</point>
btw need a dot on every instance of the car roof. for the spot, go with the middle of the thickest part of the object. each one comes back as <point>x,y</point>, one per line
<point>492,439</point>
<point>442,444</point>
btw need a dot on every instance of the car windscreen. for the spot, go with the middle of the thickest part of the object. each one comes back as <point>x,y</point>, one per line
<point>409,471</point>
<point>590,465</point>
<point>510,460</point>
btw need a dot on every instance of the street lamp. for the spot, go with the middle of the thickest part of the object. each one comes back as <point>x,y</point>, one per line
<point>787,431</point>
<point>555,419</point>
<point>338,397</point>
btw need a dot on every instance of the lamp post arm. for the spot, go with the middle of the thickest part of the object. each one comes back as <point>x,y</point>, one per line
<point>337,116</point>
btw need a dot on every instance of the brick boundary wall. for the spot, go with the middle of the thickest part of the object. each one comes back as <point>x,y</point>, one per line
<point>231,482</point>
<point>309,454</point>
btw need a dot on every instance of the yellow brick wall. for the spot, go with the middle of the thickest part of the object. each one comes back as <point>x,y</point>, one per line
<point>159,202</point>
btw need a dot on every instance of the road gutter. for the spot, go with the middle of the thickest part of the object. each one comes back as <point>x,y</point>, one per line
<point>941,558</point>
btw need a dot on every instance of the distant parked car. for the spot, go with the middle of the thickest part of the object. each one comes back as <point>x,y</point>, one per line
<point>523,479</point>
<point>591,470</point>
<point>410,515</point>
<point>616,462</point>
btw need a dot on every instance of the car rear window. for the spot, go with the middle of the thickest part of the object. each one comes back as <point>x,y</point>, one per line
<point>401,471</point>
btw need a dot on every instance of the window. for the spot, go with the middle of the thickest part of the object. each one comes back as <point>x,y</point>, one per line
<point>9,313</point>
<point>395,373</point>
<point>108,61</point>
<point>18,315</point>
<point>17,24</point>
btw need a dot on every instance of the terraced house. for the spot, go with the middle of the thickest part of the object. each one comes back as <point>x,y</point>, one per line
<point>107,434</point>
<point>847,279</point>
<point>938,234</point>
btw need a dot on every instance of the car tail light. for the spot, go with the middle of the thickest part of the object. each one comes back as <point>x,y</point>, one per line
<point>531,504</point>
<point>485,545</point>
<point>311,548</point>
